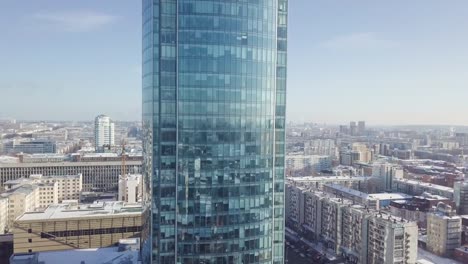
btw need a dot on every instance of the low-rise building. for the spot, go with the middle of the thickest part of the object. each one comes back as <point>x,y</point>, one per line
<point>66,226</point>
<point>417,188</point>
<point>126,252</point>
<point>417,208</point>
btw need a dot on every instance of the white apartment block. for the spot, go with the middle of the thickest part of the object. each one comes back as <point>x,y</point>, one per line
<point>417,188</point>
<point>24,198</point>
<point>61,188</point>
<point>316,163</point>
<point>444,229</point>
<point>3,214</point>
<point>326,147</point>
<point>103,132</point>
<point>387,173</point>
<point>130,188</point>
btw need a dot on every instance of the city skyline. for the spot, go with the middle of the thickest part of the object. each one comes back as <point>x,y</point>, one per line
<point>369,61</point>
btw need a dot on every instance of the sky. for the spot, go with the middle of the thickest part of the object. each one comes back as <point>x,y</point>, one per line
<point>386,62</point>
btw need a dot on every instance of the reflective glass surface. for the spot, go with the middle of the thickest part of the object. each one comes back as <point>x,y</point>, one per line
<point>214,91</point>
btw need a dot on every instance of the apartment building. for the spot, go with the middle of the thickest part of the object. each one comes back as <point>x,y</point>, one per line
<point>66,226</point>
<point>130,188</point>
<point>444,229</point>
<point>66,187</point>
<point>391,239</point>
<point>22,199</point>
<point>355,231</point>
<point>3,214</point>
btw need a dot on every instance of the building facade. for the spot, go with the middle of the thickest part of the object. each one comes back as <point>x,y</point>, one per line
<point>97,175</point>
<point>444,229</point>
<point>460,192</point>
<point>3,214</point>
<point>359,234</point>
<point>214,93</point>
<point>64,227</point>
<point>130,188</point>
<point>30,147</point>
<point>103,132</point>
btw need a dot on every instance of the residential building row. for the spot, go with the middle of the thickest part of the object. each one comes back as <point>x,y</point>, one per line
<point>358,233</point>
<point>35,193</point>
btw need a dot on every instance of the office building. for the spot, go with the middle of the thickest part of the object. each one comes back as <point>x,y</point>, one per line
<point>103,133</point>
<point>443,230</point>
<point>96,175</point>
<point>66,226</point>
<point>214,95</point>
<point>30,146</point>
<point>460,192</point>
<point>130,188</point>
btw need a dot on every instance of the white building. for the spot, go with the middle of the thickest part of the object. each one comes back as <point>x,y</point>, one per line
<point>325,147</point>
<point>67,187</point>
<point>3,214</point>
<point>130,188</point>
<point>387,173</point>
<point>316,163</point>
<point>103,132</point>
<point>24,198</point>
<point>443,230</point>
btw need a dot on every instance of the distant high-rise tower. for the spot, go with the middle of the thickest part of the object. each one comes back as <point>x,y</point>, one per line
<point>214,99</point>
<point>361,127</point>
<point>352,128</point>
<point>103,132</point>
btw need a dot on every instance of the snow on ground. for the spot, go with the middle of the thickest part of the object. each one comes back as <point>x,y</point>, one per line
<point>428,256</point>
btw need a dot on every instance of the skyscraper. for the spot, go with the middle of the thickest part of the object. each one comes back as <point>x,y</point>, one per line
<point>103,132</point>
<point>214,93</point>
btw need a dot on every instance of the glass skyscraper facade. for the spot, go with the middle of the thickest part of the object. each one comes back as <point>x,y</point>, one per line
<point>214,99</point>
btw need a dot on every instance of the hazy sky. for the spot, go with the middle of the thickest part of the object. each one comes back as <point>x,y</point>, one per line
<point>386,62</point>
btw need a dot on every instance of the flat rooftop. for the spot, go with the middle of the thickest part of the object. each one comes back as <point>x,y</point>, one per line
<point>99,209</point>
<point>326,178</point>
<point>109,255</point>
<point>425,184</point>
<point>377,196</point>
